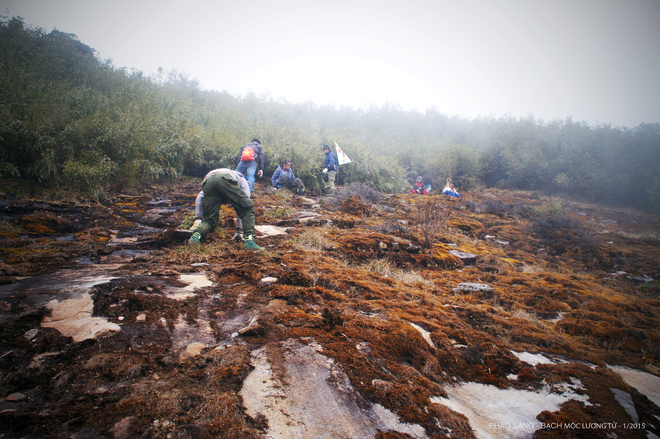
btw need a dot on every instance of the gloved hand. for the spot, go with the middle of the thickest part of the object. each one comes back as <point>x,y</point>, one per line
<point>238,236</point>
<point>196,224</point>
<point>325,170</point>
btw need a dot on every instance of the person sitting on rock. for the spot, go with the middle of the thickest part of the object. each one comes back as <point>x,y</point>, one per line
<point>224,186</point>
<point>449,189</point>
<point>419,188</point>
<point>284,177</point>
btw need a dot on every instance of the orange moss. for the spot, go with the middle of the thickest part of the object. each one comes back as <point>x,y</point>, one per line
<point>443,258</point>
<point>471,227</point>
<point>355,206</point>
<point>44,224</point>
<point>297,317</point>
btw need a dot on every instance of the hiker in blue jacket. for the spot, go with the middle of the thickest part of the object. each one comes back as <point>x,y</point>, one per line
<point>284,177</point>
<point>449,190</point>
<point>330,167</point>
<point>251,161</point>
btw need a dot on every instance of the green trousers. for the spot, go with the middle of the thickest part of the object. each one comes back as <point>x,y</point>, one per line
<point>221,189</point>
<point>296,185</point>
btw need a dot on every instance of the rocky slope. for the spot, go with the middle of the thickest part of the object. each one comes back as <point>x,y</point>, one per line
<point>366,316</point>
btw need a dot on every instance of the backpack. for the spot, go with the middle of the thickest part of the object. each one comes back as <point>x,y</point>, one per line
<point>248,154</point>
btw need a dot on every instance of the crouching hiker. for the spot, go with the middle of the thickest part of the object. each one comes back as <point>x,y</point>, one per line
<point>224,186</point>
<point>284,177</point>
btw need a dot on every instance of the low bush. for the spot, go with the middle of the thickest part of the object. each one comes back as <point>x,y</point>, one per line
<point>365,193</point>
<point>497,207</point>
<point>560,233</point>
<point>430,219</point>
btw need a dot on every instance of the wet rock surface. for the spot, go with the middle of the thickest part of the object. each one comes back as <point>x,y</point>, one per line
<point>345,326</point>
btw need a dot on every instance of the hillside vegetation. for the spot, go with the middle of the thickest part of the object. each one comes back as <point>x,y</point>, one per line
<point>77,123</point>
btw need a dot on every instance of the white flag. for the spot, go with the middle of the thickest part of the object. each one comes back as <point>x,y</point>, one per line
<point>343,158</point>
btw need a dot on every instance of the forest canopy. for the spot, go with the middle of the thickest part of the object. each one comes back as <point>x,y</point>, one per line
<point>73,121</point>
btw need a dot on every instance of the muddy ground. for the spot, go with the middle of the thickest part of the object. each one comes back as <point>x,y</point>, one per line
<point>348,325</point>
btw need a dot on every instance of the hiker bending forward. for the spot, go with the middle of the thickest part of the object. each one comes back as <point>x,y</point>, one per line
<point>225,186</point>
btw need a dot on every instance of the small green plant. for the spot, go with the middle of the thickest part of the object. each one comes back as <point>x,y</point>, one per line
<point>551,208</point>
<point>380,266</point>
<point>8,228</point>
<point>188,221</point>
<point>312,239</point>
<point>387,269</point>
<point>279,212</point>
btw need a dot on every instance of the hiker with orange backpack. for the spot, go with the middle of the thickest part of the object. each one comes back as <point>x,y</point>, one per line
<point>251,158</point>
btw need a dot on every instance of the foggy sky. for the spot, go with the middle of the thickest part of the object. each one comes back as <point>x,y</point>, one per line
<point>593,60</point>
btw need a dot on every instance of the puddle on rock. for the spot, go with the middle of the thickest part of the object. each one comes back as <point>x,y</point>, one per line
<point>532,359</point>
<point>73,318</point>
<point>36,291</point>
<point>313,399</point>
<point>647,384</point>
<point>67,294</point>
<point>186,336</point>
<point>194,281</point>
<point>496,413</point>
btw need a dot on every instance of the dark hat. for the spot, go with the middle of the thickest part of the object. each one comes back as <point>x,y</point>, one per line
<point>326,147</point>
<point>255,140</point>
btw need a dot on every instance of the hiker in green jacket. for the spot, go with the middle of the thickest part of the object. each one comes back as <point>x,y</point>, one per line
<point>224,186</point>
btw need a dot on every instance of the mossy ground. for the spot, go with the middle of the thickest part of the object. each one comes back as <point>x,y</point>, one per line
<point>354,283</point>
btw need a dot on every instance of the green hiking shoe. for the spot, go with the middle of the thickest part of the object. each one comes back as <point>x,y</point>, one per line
<point>250,244</point>
<point>196,238</point>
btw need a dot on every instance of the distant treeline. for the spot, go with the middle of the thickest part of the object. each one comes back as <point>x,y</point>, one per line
<point>70,120</point>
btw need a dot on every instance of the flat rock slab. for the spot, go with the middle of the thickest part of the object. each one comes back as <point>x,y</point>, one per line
<point>467,287</point>
<point>182,234</point>
<point>271,230</point>
<point>467,258</point>
<point>310,221</point>
<point>313,399</point>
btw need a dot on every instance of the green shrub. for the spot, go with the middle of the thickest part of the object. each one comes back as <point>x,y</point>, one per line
<point>551,209</point>
<point>88,180</point>
<point>8,170</point>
